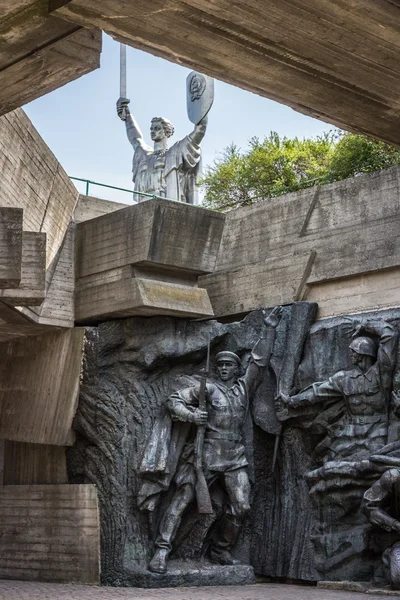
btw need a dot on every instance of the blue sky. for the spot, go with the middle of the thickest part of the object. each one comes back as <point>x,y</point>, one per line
<point>80,124</point>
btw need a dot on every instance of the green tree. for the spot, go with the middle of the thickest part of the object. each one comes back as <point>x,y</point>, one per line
<point>276,166</point>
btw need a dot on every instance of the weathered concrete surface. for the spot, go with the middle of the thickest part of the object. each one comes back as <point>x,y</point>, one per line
<point>335,60</point>
<point>31,290</point>
<point>40,378</point>
<point>17,590</point>
<point>90,207</point>
<point>39,53</point>
<point>156,232</point>
<point>28,464</point>
<point>49,533</point>
<point>131,295</point>
<point>58,307</point>
<point>144,260</point>
<point>33,180</point>
<point>337,245</point>
<point>10,247</point>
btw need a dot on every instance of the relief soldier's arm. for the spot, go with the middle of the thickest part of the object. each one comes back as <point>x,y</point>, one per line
<point>262,351</point>
<point>317,392</point>
<point>387,348</point>
<point>183,406</point>
<point>376,495</point>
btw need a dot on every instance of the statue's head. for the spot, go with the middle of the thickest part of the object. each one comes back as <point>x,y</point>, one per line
<point>160,128</point>
<point>228,365</point>
<point>363,349</point>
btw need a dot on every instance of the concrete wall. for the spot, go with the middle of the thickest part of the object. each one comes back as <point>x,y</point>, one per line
<point>33,180</point>
<point>337,245</point>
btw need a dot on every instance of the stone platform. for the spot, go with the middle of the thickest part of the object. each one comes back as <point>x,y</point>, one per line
<point>358,586</point>
<point>190,574</point>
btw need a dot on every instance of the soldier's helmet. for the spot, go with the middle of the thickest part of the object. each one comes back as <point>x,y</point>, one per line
<point>364,345</point>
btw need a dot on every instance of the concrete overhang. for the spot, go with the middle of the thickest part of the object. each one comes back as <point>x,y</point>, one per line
<point>337,60</point>
<point>40,53</point>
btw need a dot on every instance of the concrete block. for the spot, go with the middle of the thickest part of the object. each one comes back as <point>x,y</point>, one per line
<point>32,287</point>
<point>50,533</point>
<point>27,464</point>
<point>39,387</point>
<point>135,296</point>
<point>90,207</point>
<point>10,247</point>
<point>156,232</point>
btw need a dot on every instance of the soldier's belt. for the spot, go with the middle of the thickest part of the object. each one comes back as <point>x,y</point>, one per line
<point>230,437</point>
<point>366,420</point>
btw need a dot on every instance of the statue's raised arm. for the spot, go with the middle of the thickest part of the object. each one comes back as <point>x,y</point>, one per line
<point>199,131</point>
<point>133,131</point>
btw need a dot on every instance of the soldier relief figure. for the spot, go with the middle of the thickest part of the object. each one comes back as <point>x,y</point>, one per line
<point>170,456</point>
<point>365,391</point>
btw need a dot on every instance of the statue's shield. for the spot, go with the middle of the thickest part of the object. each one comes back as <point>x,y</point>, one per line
<point>199,96</point>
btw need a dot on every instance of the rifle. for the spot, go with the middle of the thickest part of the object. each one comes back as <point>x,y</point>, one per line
<point>204,505</point>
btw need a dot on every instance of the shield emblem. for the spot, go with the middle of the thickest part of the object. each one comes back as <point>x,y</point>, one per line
<point>199,96</point>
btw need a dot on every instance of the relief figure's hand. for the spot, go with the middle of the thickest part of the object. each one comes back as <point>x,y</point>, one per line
<point>198,417</point>
<point>274,317</point>
<point>281,406</point>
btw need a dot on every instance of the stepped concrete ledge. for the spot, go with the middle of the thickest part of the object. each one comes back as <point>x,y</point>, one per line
<point>145,259</point>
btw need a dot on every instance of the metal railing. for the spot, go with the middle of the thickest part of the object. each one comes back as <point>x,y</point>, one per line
<point>88,183</point>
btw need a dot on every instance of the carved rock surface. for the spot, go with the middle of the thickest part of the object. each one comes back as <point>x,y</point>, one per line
<point>131,366</point>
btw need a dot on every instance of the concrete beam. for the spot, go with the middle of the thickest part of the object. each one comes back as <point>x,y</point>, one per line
<point>335,60</point>
<point>134,296</point>
<point>40,53</point>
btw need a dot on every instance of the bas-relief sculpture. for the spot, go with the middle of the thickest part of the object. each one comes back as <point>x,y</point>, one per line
<point>312,516</point>
<point>224,455</point>
<point>173,172</point>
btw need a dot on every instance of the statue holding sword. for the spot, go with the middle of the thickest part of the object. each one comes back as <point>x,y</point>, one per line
<point>169,172</point>
<point>208,419</point>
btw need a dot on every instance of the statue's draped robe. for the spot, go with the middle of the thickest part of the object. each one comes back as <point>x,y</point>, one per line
<point>171,173</point>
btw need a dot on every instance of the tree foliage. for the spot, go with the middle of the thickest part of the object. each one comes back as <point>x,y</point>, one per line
<point>278,165</point>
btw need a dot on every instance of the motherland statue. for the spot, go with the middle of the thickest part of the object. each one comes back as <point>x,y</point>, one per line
<point>171,173</point>
<point>218,409</point>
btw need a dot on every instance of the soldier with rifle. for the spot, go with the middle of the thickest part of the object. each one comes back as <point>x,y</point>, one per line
<point>216,410</point>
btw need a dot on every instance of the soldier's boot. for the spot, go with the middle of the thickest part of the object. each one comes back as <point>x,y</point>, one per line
<point>158,563</point>
<point>228,533</point>
<point>168,528</point>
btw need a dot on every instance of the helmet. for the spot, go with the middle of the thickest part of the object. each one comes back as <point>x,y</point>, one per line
<point>364,345</point>
<point>226,355</point>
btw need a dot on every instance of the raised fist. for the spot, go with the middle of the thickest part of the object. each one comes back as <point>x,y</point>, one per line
<point>122,108</point>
